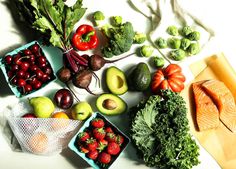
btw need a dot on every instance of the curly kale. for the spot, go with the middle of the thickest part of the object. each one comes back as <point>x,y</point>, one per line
<point>120,40</point>
<point>160,132</point>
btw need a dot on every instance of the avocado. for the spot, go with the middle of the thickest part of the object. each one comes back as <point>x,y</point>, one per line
<point>140,77</point>
<point>116,81</point>
<point>110,104</point>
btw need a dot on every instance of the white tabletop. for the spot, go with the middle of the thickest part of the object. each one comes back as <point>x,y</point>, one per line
<point>219,15</point>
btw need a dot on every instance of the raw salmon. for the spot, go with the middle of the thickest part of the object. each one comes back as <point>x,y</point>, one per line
<point>224,100</point>
<point>207,114</point>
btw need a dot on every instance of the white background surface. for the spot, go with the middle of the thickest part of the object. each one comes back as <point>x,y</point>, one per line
<point>219,15</point>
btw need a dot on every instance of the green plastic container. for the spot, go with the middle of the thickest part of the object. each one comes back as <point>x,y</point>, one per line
<point>4,70</point>
<point>73,147</point>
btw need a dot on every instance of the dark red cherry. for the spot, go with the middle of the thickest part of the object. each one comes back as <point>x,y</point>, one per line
<point>15,68</point>
<point>47,70</point>
<point>33,68</point>
<point>16,59</point>
<point>39,73</point>
<point>20,74</point>
<point>27,75</point>
<point>28,88</point>
<point>8,59</point>
<point>24,66</point>
<point>35,48</point>
<point>27,52</point>
<point>37,84</point>
<point>21,82</point>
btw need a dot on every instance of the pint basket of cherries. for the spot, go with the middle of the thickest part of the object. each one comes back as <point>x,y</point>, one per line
<point>27,69</point>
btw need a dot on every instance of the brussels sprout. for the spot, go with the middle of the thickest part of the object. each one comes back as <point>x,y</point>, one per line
<point>177,54</point>
<point>195,35</point>
<point>172,30</point>
<point>98,17</point>
<point>174,43</point>
<point>146,50</point>
<point>193,49</point>
<point>185,43</point>
<point>158,62</point>
<point>116,20</point>
<point>186,30</point>
<point>139,38</point>
<point>161,43</point>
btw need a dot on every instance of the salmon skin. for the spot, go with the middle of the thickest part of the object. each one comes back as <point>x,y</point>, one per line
<point>207,114</point>
<point>224,100</point>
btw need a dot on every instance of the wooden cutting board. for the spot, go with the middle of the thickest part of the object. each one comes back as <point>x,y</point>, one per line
<point>220,142</point>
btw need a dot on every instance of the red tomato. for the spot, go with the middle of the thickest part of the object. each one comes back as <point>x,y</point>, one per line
<point>170,77</point>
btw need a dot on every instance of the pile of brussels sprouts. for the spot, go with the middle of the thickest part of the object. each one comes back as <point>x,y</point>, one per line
<point>183,42</point>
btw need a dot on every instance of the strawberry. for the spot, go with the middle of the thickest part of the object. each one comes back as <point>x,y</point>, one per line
<point>119,139</point>
<point>99,133</point>
<point>83,136</point>
<point>83,149</point>
<point>108,130</point>
<point>104,158</point>
<point>93,154</point>
<point>110,137</point>
<point>97,123</point>
<point>91,144</point>
<point>102,144</point>
<point>113,148</point>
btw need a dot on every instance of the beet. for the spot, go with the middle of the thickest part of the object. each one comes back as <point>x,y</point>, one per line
<point>96,61</point>
<point>64,74</point>
<point>82,80</point>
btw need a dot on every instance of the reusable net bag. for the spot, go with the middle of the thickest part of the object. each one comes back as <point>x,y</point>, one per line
<point>43,136</point>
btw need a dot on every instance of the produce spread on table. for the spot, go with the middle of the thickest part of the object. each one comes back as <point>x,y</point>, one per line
<point>158,126</point>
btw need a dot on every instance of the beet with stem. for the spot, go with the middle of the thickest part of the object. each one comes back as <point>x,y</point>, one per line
<point>82,80</point>
<point>96,61</point>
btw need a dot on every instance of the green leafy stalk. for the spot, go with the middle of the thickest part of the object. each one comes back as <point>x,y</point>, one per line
<point>160,132</point>
<point>54,19</point>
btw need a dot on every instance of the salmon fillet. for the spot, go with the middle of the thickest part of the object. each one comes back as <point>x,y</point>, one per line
<point>224,100</point>
<point>207,114</point>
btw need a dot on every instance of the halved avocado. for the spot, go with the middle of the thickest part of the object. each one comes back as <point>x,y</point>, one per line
<point>110,104</point>
<point>116,80</point>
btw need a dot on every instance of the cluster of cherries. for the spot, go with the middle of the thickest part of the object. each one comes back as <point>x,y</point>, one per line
<point>29,69</point>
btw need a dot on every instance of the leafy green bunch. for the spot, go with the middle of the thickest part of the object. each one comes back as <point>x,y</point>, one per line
<point>54,19</point>
<point>160,132</point>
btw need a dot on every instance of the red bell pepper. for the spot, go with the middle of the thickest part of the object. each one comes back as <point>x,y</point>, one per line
<point>85,38</point>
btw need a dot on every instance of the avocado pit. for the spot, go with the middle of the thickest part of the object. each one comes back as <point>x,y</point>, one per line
<point>109,104</point>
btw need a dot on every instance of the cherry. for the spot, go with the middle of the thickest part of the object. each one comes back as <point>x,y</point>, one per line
<point>41,60</point>
<point>45,78</point>
<point>28,88</point>
<point>8,59</point>
<point>24,66</point>
<point>14,68</point>
<point>39,73</point>
<point>27,52</point>
<point>34,68</point>
<point>21,82</point>
<point>37,84</point>
<point>10,74</point>
<point>47,70</point>
<point>32,58</point>
<point>27,75</point>
<point>35,48</point>
<point>20,74</point>
<point>33,80</point>
<point>16,59</point>
<point>14,81</point>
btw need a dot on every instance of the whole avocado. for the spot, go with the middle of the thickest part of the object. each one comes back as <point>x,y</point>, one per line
<point>140,77</point>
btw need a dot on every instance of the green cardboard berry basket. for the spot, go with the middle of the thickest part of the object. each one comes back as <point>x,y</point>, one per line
<point>12,53</point>
<point>73,147</point>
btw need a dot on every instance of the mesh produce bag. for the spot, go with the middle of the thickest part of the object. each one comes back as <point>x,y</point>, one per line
<point>43,136</point>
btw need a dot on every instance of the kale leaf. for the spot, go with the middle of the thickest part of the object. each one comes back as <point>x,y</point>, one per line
<point>160,132</point>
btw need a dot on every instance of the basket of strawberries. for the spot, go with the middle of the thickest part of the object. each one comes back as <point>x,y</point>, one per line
<point>99,142</point>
